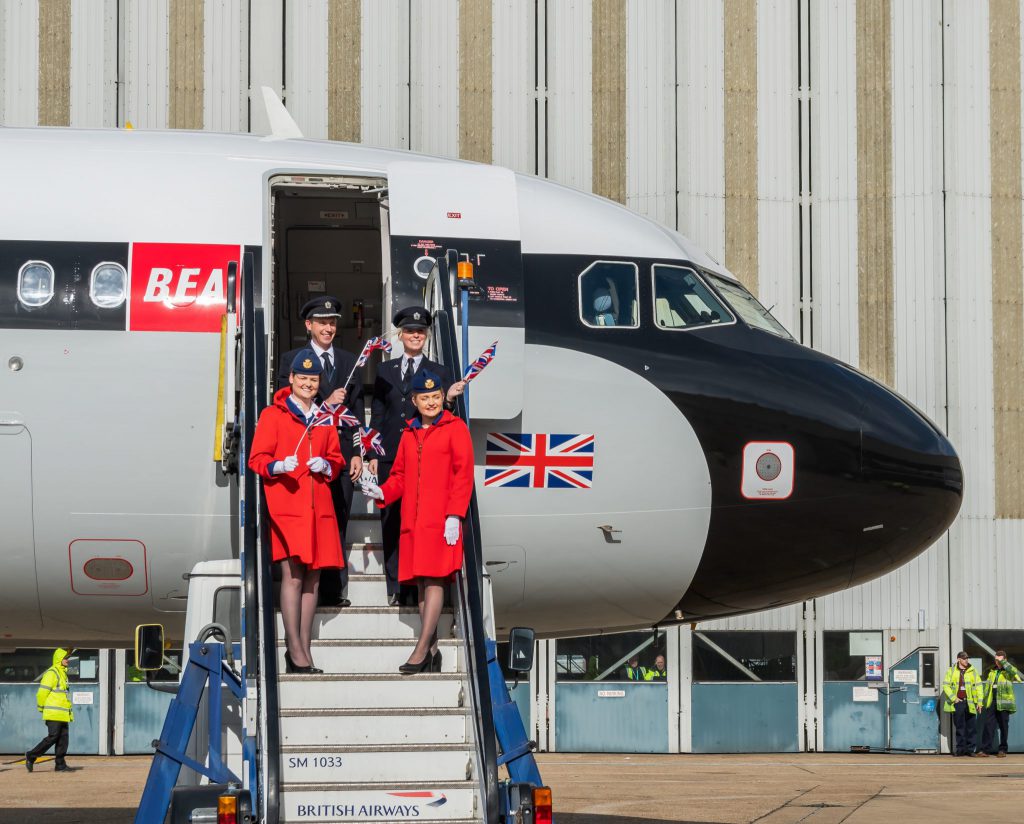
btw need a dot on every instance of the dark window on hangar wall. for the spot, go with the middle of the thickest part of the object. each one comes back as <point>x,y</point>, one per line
<point>744,656</point>
<point>981,645</point>
<point>845,654</point>
<point>604,657</point>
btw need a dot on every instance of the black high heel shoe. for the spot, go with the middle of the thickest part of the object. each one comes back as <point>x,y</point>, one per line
<point>435,661</point>
<point>291,668</point>
<point>415,669</point>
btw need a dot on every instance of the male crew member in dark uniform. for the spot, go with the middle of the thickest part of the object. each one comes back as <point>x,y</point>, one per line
<point>321,316</point>
<point>392,407</point>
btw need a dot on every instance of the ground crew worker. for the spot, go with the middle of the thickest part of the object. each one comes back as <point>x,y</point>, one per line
<point>634,672</point>
<point>962,690</point>
<point>658,672</point>
<point>999,702</point>
<point>53,702</point>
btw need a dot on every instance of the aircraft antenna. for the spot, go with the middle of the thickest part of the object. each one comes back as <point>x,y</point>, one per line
<point>282,124</point>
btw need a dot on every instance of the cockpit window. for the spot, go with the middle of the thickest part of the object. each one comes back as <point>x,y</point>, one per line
<point>748,308</point>
<point>607,294</point>
<point>682,301</point>
<point>35,284</point>
<point>107,285</point>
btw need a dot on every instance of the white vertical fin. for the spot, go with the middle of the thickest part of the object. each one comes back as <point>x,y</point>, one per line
<point>282,124</point>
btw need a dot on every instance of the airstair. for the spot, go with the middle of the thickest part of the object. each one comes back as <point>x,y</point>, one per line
<point>362,742</point>
<point>359,742</point>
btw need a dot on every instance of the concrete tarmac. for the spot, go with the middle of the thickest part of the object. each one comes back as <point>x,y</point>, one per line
<point>810,788</point>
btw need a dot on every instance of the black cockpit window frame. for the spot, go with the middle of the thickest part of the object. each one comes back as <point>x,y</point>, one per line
<point>728,320</point>
<point>108,264</point>
<point>21,274</point>
<point>636,294</point>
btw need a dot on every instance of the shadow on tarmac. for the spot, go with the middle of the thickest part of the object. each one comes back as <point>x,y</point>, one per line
<point>44,815</point>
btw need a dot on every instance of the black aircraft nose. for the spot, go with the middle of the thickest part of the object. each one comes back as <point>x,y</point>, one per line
<point>877,483</point>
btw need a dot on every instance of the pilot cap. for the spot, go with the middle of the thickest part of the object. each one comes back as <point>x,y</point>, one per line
<point>325,306</point>
<point>306,362</point>
<point>425,381</point>
<point>413,317</point>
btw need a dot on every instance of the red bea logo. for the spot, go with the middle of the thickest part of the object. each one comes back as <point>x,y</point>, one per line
<point>179,287</point>
<point>455,215</point>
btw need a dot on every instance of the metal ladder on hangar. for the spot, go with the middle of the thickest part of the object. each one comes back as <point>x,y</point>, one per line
<point>362,742</point>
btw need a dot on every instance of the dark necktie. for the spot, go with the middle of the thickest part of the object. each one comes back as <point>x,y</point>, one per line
<point>328,368</point>
<point>410,367</point>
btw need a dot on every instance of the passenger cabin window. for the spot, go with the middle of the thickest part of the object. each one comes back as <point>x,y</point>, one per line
<point>748,307</point>
<point>35,284</point>
<point>607,292</point>
<point>107,285</point>
<point>682,301</point>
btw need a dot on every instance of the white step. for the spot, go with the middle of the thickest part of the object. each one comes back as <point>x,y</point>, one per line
<point>364,557</point>
<point>394,764</point>
<point>454,801</point>
<point>374,727</point>
<point>374,656</point>
<point>370,691</point>
<point>363,529</point>
<point>337,623</point>
<point>367,590</point>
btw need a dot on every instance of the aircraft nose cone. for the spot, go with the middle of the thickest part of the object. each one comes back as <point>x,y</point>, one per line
<point>876,483</point>
<point>912,482</point>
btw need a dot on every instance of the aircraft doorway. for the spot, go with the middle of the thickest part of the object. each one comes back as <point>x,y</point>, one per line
<point>328,237</point>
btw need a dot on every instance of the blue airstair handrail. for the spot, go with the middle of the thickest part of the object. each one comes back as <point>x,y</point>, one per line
<point>259,634</point>
<point>470,580</point>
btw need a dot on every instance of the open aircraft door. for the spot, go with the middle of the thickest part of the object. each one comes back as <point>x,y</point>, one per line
<point>474,209</point>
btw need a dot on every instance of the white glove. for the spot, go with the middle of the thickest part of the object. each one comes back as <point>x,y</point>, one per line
<point>371,490</point>
<point>451,530</point>
<point>285,466</point>
<point>319,465</point>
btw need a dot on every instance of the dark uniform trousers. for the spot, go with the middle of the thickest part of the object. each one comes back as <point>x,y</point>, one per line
<point>965,724</point>
<point>391,532</point>
<point>991,719</point>
<point>57,733</point>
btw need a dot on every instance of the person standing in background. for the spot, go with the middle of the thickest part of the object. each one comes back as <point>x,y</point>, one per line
<point>962,690</point>
<point>998,704</point>
<point>53,701</point>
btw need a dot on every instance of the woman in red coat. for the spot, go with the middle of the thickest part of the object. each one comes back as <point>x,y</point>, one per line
<point>297,462</point>
<point>433,475</point>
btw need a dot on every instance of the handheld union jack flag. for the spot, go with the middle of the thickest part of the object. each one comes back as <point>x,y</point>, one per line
<point>369,441</point>
<point>371,346</point>
<point>477,366</point>
<point>539,461</point>
<point>337,415</point>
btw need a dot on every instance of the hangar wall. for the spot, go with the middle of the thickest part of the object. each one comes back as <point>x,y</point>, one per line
<point>856,162</point>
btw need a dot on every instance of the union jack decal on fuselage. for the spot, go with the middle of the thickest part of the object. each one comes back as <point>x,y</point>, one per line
<point>539,461</point>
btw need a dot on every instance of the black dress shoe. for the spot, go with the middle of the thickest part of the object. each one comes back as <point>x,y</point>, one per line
<point>395,600</point>
<point>64,768</point>
<point>294,669</point>
<point>29,762</point>
<point>415,669</point>
<point>336,601</point>
<point>435,661</point>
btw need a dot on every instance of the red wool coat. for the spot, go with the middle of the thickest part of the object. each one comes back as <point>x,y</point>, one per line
<point>433,475</point>
<point>302,521</point>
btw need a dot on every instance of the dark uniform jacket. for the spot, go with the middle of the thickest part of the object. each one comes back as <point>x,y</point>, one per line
<point>343,363</point>
<point>392,404</point>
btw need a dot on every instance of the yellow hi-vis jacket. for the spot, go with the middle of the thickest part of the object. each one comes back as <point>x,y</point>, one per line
<point>972,687</point>
<point>999,685</point>
<point>52,698</point>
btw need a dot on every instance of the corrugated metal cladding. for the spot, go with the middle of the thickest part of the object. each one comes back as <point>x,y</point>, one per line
<point>858,162</point>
